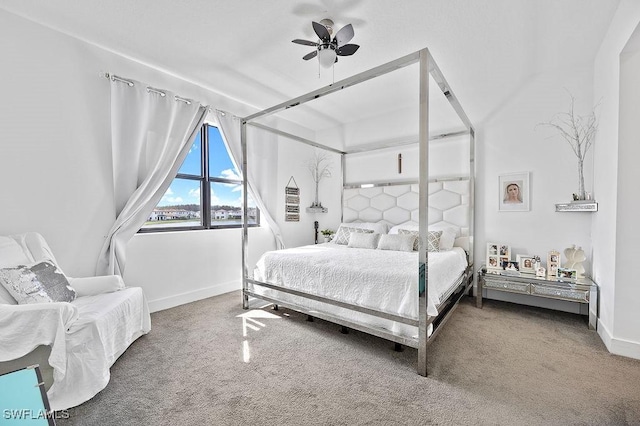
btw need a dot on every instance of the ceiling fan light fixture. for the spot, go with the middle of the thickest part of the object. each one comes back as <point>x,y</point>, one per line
<point>326,55</point>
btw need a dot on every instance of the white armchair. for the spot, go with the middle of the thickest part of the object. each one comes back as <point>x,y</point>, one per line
<point>81,339</point>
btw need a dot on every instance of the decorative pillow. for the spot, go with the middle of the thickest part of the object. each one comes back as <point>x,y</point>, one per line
<point>342,236</point>
<point>448,237</point>
<point>433,236</point>
<point>376,227</point>
<point>396,242</point>
<point>42,282</point>
<point>362,240</point>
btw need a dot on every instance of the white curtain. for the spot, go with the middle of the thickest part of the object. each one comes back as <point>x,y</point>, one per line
<point>151,133</point>
<point>230,128</point>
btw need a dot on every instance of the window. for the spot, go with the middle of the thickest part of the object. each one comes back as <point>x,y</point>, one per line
<point>207,191</point>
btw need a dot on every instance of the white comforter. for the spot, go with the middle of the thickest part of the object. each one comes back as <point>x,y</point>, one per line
<point>380,279</point>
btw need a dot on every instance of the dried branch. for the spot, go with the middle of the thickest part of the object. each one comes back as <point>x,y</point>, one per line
<point>579,131</point>
<point>320,166</point>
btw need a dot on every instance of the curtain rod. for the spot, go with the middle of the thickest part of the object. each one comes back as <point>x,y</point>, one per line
<point>150,89</point>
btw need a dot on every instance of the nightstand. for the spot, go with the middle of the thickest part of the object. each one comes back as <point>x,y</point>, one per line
<point>581,290</point>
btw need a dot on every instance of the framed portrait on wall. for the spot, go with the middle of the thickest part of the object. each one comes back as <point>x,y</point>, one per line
<point>513,192</point>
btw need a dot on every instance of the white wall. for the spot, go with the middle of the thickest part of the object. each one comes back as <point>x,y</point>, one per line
<point>55,159</point>
<point>447,158</point>
<point>297,156</point>
<point>55,165</point>
<point>511,141</point>
<point>613,279</point>
<point>627,321</point>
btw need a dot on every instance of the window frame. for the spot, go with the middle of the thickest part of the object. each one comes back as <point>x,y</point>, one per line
<point>205,181</point>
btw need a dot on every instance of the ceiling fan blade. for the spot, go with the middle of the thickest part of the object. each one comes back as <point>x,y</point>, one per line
<point>310,55</point>
<point>322,32</point>
<point>304,42</point>
<point>347,50</point>
<point>344,35</point>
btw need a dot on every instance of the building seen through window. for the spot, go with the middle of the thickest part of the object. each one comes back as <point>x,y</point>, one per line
<point>207,191</point>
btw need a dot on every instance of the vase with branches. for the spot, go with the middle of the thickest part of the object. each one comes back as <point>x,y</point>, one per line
<point>320,167</point>
<point>579,131</point>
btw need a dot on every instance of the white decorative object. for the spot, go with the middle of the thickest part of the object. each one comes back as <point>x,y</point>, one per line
<point>575,259</point>
<point>569,253</point>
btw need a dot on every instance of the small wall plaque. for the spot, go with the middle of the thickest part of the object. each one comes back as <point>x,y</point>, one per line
<point>292,201</point>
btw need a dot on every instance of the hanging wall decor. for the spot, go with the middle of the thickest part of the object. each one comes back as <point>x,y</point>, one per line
<point>292,201</point>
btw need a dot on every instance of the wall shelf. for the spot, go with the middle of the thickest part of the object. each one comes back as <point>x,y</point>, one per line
<point>317,210</point>
<point>577,206</point>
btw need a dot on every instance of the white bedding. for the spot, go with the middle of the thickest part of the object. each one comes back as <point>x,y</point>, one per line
<point>379,279</point>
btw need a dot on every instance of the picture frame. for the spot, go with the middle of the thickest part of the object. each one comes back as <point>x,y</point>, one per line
<point>496,254</point>
<point>513,192</point>
<point>527,263</point>
<point>566,274</point>
<point>510,267</point>
<point>553,261</point>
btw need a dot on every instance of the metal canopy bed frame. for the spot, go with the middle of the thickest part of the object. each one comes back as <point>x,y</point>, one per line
<point>427,67</point>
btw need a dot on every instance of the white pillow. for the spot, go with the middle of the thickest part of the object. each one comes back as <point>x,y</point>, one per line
<point>11,253</point>
<point>361,240</point>
<point>378,228</point>
<point>39,283</point>
<point>407,226</point>
<point>447,238</point>
<point>396,242</point>
<point>91,286</point>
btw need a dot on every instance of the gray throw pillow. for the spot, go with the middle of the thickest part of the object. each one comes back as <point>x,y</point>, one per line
<point>39,283</point>
<point>433,243</point>
<point>342,236</point>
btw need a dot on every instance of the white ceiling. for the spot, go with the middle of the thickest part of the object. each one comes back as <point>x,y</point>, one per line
<point>242,48</point>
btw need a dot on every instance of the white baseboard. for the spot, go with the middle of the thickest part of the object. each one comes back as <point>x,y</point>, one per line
<point>192,296</point>
<point>618,346</point>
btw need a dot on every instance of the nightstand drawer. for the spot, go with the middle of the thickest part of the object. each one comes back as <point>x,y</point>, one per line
<point>511,286</point>
<point>561,293</point>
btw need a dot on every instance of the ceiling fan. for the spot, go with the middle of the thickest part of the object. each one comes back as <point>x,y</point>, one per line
<point>328,50</point>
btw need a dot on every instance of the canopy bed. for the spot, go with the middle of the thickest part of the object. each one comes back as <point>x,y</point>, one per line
<point>397,292</point>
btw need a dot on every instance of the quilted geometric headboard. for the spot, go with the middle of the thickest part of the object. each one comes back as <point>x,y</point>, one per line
<point>398,205</point>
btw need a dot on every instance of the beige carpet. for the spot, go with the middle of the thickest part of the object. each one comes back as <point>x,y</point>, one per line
<point>504,364</point>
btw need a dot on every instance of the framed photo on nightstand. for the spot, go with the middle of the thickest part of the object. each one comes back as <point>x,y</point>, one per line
<point>527,263</point>
<point>496,255</point>
<point>567,274</point>
<point>553,261</point>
